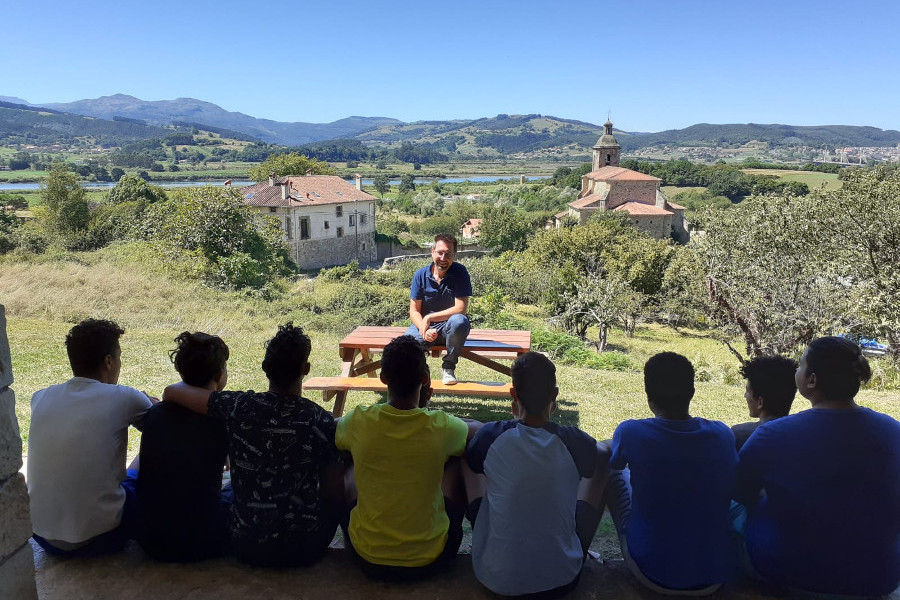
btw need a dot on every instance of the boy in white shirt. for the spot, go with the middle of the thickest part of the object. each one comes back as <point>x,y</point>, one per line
<point>82,499</point>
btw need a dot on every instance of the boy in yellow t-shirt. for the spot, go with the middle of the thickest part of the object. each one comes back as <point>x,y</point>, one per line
<point>409,500</point>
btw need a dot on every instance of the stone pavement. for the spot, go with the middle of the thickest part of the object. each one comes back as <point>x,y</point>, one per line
<point>131,576</point>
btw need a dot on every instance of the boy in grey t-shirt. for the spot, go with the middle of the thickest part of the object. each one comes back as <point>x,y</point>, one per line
<point>537,486</point>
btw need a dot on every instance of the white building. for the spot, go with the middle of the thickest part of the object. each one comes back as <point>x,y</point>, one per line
<point>325,220</point>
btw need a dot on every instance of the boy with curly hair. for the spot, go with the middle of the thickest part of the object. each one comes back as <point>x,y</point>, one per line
<point>183,508</point>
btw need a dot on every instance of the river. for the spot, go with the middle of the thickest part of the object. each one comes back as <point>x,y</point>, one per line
<point>18,187</point>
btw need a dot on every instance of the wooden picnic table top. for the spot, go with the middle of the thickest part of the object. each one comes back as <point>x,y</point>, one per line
<point>376,338</point>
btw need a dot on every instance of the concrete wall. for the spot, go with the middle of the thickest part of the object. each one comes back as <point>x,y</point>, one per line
<point>316,254</point>
<point>16,558</point>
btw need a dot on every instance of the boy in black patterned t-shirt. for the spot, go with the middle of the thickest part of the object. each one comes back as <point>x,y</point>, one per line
<point>285,468</point>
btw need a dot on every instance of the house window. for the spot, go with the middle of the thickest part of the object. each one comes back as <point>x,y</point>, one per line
<point>273,209</point>
<point>287,228</point>
<point>304,228</point>
<point>339,211</point>
<point>364,246</point>
<point>326,224</point>
<point>340,232</point>
<point>362,218</point>
<point>608,158</point>
<point>352,220</point>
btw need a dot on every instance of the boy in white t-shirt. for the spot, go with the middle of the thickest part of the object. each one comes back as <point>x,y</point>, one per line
<point>82,499</point>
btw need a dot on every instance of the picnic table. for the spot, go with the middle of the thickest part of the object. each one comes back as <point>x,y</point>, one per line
<point>357,351</point>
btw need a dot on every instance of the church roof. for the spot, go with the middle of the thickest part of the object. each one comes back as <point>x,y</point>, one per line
<point>610,173</point>
<point>587,200</point>
<point>633,207</point>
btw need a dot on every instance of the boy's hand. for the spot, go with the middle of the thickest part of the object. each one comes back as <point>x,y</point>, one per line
<point>152,399</point>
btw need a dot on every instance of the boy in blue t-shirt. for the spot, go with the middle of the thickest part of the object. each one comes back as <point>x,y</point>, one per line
<point>538,490</point>
<point>670,487</point>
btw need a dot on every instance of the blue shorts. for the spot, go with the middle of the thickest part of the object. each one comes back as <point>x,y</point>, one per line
<point>113,540</point>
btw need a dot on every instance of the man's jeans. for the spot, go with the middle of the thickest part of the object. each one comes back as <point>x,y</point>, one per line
<point>451,333</point>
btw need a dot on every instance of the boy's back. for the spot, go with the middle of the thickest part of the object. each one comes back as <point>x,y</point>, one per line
<point>399,458</point>
<point>526,538</point>
<point>278,445</point>
<point>682,477</point>
<point>179,485</point>
<point>76,456</point>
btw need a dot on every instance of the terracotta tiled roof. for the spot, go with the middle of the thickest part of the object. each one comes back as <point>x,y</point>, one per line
<point>588,200</point>
<point>633,207</point>
<point>562,214</point>
<point>619,174</point>
<point>675,206</point>
<point>311,190</point>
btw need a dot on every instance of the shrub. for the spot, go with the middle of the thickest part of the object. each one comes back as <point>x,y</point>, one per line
<point>369,305</point>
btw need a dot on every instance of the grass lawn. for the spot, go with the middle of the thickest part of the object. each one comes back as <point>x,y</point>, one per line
<point>44,299</point>
<point>813,179</point>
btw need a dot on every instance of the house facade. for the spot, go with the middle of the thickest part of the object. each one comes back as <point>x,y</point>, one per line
<point>324,220</point>
<point>611,187</point>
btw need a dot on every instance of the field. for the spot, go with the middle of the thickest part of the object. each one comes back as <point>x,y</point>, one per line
<point>813,179</point>
<point>44,299</point>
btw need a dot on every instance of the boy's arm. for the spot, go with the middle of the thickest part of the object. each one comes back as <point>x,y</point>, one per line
<point>473,426</point>
<point>188,396</point>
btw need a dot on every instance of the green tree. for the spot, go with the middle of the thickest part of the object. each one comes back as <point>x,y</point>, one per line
<point>382,184</point>
<point>237,247</point>
<point>859,230</point>
<point>116,173</point>
<point>502,229</point>
<point>407,184</point>
<point>132,188</point>
<point>289,164</point>
<point>65,200</point>
<point>600,302</point>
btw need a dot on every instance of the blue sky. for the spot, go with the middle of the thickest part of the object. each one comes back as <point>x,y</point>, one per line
<point>653,64</point>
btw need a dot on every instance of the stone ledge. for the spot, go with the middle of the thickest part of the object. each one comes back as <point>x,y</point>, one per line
<point>17,576</point>
<point>16,522</point>
<point>10,442</point>
<point>131,575</point>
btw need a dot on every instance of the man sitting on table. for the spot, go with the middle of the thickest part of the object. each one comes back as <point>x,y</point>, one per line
<point>438,299</point>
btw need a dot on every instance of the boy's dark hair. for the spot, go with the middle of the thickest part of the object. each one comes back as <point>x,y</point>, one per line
<point>89,342</point>
<point>669,381</point>
<point>772,378</point>
<point>534,378</point>
<point>447,238</point>
<point>839,365</point>
<point>199,357</point>
<point>286,355</point>
<point>403,364</point>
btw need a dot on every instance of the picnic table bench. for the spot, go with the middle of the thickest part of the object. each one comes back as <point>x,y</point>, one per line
<point>358,349</point>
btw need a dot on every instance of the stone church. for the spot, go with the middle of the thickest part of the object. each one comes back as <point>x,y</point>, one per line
<point>611,187</point>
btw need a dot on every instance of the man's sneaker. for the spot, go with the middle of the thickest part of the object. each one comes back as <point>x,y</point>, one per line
<point>448,377</point>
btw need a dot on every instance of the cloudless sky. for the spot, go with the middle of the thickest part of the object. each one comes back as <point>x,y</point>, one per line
<point>653,64</point>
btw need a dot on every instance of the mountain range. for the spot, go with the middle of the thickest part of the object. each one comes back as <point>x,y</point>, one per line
<point>502,135</point>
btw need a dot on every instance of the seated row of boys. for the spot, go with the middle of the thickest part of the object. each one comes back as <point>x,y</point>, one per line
<point>819,490</point>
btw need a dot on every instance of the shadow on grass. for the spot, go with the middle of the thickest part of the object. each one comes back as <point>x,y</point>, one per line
<point>493,409</point>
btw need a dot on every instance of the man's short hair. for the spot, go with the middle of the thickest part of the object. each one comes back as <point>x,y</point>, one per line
<point>839,365</point>
<point>403,365</point>
<point>286,355</point>
<point>669,381</point>
<point>534,379</point>
<point>89,343</point>
<point>199,357</point>
<point>772,378</point>
<point>447,238</point>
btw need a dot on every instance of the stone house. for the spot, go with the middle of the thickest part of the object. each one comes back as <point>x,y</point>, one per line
<point>611,187</point>
<point>325,220</point>
<point>469,229</point>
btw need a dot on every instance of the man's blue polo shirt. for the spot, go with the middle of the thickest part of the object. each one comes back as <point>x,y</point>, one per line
<point>440,296</point>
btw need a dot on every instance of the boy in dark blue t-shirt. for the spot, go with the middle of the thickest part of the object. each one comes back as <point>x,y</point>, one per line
<point>670,487</point>
<point>182,506</point>
<point>536,486</point>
